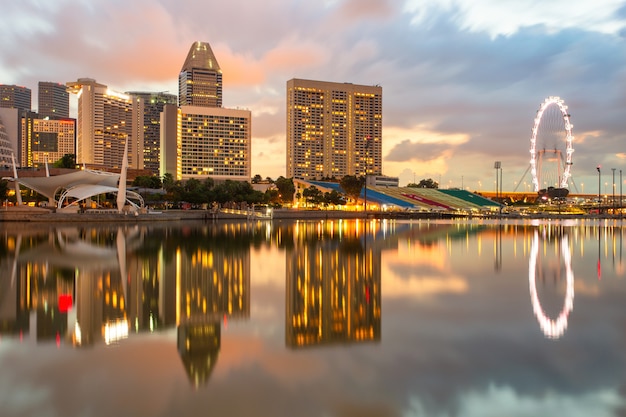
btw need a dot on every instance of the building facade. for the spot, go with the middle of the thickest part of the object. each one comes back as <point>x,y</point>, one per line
<point>46,139</point>
<point>209,142</point>
<point>333,129</point>
<point>107,120</point>
<point>15,97</point>
<point>153,106</point>
<point>53,100</point>
<point>200,79</point>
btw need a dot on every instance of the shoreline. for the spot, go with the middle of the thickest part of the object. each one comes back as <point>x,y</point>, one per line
<point>38,215</point>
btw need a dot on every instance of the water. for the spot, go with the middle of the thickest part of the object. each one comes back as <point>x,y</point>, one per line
<point>334,318</point>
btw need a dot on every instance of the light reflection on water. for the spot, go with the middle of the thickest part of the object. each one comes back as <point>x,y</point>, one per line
<point>313,318</point>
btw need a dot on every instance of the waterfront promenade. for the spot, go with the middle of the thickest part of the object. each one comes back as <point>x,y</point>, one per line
<point>29,214</point>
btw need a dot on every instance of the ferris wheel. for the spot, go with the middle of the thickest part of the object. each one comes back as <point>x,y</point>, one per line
<point>550,164</point>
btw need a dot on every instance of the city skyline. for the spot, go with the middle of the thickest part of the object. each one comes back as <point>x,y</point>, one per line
<point>462,80</point>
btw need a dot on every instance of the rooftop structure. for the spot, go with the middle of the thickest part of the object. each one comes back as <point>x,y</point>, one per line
<point>200,79</point>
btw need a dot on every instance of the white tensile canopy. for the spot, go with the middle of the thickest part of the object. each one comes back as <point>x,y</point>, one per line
<point>79,185</point>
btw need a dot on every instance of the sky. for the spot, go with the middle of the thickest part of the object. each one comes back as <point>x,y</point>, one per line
<point>462,79</point>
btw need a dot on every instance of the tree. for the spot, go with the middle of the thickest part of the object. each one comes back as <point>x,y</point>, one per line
<point>313,195</point>
<point>168,182</point>
<point>4,189</point>
<point>67,161</point>
<point>352,186</point>
<point>427,183</point>
<point>334,198</point>
<point>257,179</point>
<point>286,189</point>
<point>147,181</point>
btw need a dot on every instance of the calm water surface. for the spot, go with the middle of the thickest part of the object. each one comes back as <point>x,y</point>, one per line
<point>333,318</point>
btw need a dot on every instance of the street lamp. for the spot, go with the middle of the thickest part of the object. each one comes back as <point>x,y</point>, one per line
<point>498,166</point>
<point>367,148</point>
<point>599,186</point>
<point>613,169</point>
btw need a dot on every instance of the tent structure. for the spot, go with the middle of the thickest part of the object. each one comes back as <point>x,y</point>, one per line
<point>79,185</point>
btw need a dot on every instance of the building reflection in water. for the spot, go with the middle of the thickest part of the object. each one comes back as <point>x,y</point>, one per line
<point>557,266</point>
<point>92,285</point>
<point>333,284</point>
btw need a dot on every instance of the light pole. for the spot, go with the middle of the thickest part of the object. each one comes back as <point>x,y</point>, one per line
<point>613,169</point>
<point>498,167</point>
<point>599,186</point>
<point>367,148</point>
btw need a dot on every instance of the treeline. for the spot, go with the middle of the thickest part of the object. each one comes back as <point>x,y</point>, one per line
<point>208,191</point>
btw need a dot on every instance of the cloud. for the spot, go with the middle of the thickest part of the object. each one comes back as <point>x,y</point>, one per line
<point>506,18</point>
<point>475,70</point>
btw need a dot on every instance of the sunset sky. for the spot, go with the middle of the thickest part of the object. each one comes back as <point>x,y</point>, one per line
<point>462,79</point>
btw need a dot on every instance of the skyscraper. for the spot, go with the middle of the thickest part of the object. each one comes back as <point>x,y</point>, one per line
<point>153,106</point>
<point>201,139</point>
<point>333,129</point>
<point>200,79</point>
<point>53,100</point>
<point>107,120</point>
<point>15,97</point>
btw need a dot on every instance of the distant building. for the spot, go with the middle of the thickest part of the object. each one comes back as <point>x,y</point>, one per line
<point>200,79</point>
<point>107,120</point>
<point>201,142</point>
<point>333,129</point>
<point>15,97</point>
<point>53,100</point>
<point>9,137</point>
<point>46,139</point>
<point>153,106</point>
<point>382,181</point>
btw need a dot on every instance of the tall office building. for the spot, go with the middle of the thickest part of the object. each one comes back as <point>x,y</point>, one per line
<point>333,129</point>
<point>107,120</point>
<point>53,100</point>
<point>46,139</point>
<point>201,142</point>
<point>153,106</point>
<point>200,79</point>
<point>15,97</point>
<point>200,138</point>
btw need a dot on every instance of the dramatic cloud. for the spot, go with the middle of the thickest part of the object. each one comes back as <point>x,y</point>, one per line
<point>476,70</point>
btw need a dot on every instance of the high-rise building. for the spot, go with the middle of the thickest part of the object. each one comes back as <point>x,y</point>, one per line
<point>333,129</point>
<point>46,139</point>
<point>200,138</point>
<point>201,142</point>
<point>107,121</point>
<point>53,100</point>
<point>200,79</point>
<point>15,97</point>
<point>153,106</point>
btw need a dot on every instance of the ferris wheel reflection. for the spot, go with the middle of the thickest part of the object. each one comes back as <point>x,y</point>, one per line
<point>552,328</point>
